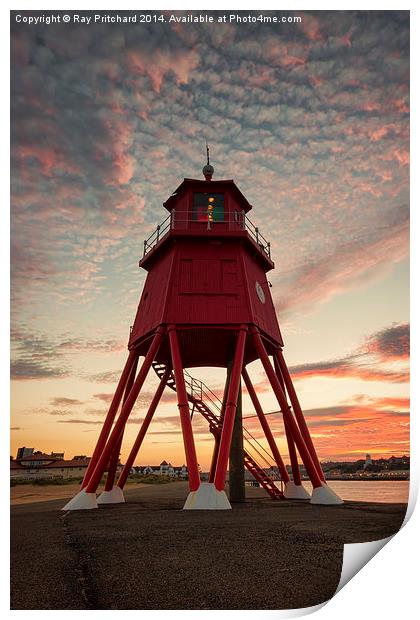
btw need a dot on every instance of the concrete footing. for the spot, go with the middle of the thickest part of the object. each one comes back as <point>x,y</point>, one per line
<point>325,495</point>
<point>295,491</point>
<point>115,496</point>
<point>82,501</point>
<point>207,497</point>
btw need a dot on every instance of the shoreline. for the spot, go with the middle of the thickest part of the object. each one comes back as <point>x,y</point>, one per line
<point>395,479</point>
<point>32,493</point>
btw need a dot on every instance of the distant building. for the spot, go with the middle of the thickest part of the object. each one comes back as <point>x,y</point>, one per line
<point>24,452</point>
<point>37,465</point>
<point>368,461</point>
<point>164,469</point>
<point>399,460</point>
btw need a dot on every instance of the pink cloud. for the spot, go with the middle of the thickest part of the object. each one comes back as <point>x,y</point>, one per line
<point>50,159</point>
<point>355,372</point>
<point>318,280</point>
<point>311,27</point>
<point>158,63</point>
<point>402,157</point>
<point>380,133</point>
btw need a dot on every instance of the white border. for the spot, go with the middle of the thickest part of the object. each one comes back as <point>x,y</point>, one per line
<point>387,586</point>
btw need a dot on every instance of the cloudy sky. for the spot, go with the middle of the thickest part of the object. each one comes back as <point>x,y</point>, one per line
<point>310,119</point>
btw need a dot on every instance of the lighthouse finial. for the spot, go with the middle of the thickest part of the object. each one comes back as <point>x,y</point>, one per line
<point>208,168</point>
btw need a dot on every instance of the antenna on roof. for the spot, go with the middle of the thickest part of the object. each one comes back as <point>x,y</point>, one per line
<point>208,168</point>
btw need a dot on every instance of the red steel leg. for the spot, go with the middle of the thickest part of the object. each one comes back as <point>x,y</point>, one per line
<point>231,404</point>
<point>125,412</point>
<point>215,454</point>
<point>184,411</point>
<point>113,408</point>
<point>292,453</point>
<point>293,427</point>
<point>298,412</point>
<point>265,426</point>
<point>290,443</point>
<point>143,430</point>
<point>279,373</point>
<point>113,461</point>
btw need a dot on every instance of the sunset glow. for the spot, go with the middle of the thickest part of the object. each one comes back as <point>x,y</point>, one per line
<point>312,123</point>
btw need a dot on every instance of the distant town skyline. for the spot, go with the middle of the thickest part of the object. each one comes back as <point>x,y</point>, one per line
<point>24,451</point>
<point>310,120</point>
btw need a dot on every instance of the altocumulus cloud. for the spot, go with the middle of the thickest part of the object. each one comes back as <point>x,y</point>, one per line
<point>312,122</point>
<point>369,362</point>
<point>37,355</point>
<point>374,360</point>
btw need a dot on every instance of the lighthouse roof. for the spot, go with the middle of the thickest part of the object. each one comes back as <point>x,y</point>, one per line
<point>208,186</point>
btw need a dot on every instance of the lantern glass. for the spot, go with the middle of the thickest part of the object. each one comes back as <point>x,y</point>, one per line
<point>205,205</point>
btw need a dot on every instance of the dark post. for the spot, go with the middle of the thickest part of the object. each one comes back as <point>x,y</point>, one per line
<point>236,457</point>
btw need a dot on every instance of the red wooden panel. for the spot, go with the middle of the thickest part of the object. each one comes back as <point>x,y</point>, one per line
<point>150,311</point>
<point>207,286</point>
<point>262,307</point>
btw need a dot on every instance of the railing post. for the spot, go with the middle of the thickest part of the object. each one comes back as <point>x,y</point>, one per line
<point>144,247</point>
<point>243,220</point>
<point>157,233</point>
<point>256,234</point>
<point>269,249</point>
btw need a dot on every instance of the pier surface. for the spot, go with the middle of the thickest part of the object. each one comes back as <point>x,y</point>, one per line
<point>150,554</point>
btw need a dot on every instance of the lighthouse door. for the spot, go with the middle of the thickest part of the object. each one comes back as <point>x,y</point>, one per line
<point>207,290</point>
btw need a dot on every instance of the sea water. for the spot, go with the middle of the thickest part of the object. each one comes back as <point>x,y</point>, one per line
<point>386,491</point>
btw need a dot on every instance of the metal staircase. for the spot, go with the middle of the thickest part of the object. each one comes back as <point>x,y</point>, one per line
<point>208,404</point>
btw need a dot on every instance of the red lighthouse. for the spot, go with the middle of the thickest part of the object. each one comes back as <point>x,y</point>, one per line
<point>206,302</point>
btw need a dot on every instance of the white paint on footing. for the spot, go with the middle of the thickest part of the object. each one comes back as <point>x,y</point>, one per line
<point>325,495</point>
<point>207,497</point>
<point>295,491</point>
<point>114,496</point>
<point>82,501</point>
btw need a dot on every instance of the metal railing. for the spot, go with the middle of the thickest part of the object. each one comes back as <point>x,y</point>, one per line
<point>201,394</point>
<point>200,391</point>
<point>176,220</point>
<point>159,232</point>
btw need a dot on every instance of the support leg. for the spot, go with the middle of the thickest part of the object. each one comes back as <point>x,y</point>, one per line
<point>143,430</point>
<point>113,408</point>
<point>217,437</point>
<point>294,489</point>
<point>92,485</point>
<point>184,411</point>
<point>111,494</point>
<point>294,429</point>
<point>214,457</point>
<point>322,494</point>
<point>298,411</point>
<point>232,398</point>
<point>292,454</point>
<point>236,456</point>
<point>265,426</point>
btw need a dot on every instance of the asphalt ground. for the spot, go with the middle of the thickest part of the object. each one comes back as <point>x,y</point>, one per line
<point>150,554</point>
